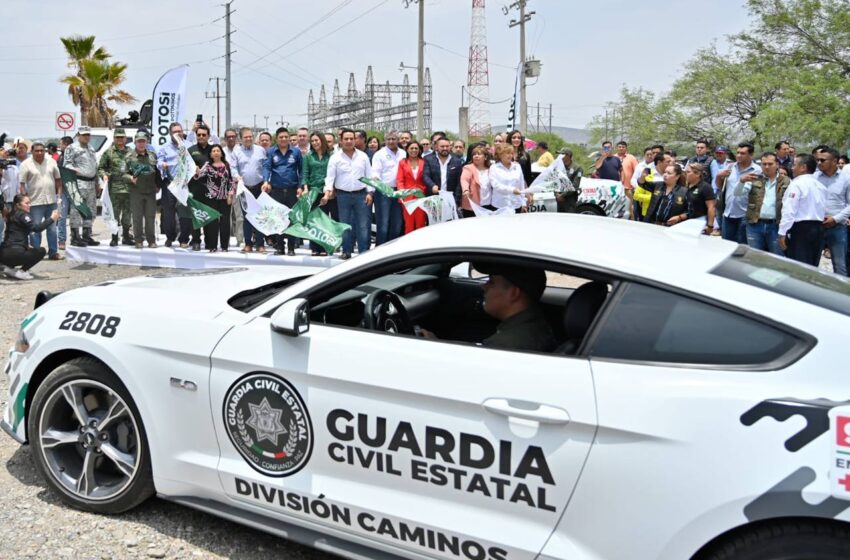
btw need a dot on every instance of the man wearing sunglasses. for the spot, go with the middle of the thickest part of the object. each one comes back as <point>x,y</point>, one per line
<point>837,207</point>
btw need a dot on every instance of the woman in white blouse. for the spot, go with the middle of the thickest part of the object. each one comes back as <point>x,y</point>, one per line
<point>507,181</point>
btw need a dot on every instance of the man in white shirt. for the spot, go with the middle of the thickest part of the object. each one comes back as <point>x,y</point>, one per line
<point>303,141</point>
<point>731,181</point>
<point>39,178</point>
<point>837,207</point>
<point>249,167</point>
<point>803,210</point>
<point>385,169</point>
<point>345,169</point>
<point>231,155</point>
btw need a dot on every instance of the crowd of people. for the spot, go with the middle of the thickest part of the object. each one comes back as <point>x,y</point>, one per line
<point>796,205</point>
<point>784,203</point>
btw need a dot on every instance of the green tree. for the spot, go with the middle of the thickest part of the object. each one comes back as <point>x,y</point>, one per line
<point>95,82</point>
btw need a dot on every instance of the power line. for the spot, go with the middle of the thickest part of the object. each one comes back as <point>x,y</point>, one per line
<point>257,41</point>
<point>466,56</point>
<point>123,37</point>
<point>333,11</point>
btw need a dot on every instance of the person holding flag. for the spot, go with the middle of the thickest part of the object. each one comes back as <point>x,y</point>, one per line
<point>220,191</point>
<point>141,176</point>
<point>385,162</point>
<point>313,172</point>
<point>475,182</point>
<point>113,167</point>
<point>282,181</point>
<point>345,169</point>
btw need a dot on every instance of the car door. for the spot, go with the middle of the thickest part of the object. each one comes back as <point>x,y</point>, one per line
<point>436,448</point>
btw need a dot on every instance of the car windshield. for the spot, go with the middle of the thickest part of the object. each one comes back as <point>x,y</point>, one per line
<point>788,278</point>
<point>97,142</point>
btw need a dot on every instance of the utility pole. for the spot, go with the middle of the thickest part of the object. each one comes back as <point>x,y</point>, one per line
<point>267,121</point>
<point>227,56</point>
<point>550,118</point>
<point>420,69</point>
<point>523,17</point>
<point>217,96</point>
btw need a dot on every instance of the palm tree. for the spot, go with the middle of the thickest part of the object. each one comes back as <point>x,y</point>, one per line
<point>95,82</point>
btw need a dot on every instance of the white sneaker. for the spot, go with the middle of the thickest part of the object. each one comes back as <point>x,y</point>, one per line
<point>23,275</point>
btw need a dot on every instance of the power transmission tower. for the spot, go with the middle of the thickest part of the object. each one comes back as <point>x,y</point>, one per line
<point>217,96</point>
<point>227,55</point>
<point>523,17</point>
<point>478,76</point>
<point>420,69</point>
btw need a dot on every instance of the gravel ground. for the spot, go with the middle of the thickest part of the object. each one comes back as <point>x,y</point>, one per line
<point>35,524</point>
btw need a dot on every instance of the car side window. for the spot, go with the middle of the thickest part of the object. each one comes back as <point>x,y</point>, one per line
<point>652,325</point>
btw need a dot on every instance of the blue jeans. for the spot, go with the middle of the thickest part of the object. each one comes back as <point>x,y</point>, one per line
<point>836,240</point>
<point>38,214</point>
<point>387,217</point>
<point>62,224</point>
<point>764,236</point>
<point>734,229</point>
<point>354,211</point>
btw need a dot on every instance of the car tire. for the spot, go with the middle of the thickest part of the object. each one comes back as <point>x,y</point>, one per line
<point>88,440</point>
<point>591,209</point>
<point>792,540</point>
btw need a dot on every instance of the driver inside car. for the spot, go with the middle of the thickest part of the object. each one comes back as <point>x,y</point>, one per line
<point>512,295</point>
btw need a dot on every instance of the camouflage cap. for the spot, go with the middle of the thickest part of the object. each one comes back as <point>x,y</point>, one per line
<point>140,136</point>
<point>83,130</point>
<point>119,133</point>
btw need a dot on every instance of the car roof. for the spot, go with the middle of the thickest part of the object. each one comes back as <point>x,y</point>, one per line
<point>624,246</point>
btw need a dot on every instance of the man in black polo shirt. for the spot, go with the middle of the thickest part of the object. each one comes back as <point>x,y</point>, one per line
<point>200,153</point>
<point>608,165</point>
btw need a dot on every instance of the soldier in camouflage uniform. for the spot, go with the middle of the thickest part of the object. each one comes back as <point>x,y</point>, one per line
<point>113,166</point>
<point>80,158</point>
<point>141,176</point>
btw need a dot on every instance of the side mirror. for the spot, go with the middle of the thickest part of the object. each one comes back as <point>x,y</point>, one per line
<point>292,318</point>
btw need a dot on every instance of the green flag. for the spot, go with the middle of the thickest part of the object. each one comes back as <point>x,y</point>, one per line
<point>318,227</point>
<point>201,213</point>
<point>69,183</point>
<point>388,191</point>
<point>300,211</point>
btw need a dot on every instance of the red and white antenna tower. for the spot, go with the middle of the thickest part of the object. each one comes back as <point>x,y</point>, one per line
<point>478,77</point>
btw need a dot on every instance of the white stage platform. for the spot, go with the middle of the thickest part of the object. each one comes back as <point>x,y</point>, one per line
<point>175,257</point>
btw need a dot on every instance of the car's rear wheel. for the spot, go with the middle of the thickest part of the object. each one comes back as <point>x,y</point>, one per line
<point>88,440</point>
<point>591,209</point>
<point>791,540</point>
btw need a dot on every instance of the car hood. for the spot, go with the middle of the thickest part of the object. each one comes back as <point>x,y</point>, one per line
<point>194,294</point>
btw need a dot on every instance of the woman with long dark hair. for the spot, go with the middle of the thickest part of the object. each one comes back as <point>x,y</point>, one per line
<point>16,250</point>
<point>314,168</point>
<point>517,140</point>
<point>669,204</point>
<point>410,172</point>
<point>221,189</point>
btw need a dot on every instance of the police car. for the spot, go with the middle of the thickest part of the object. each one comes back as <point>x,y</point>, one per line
<point>697,405</point>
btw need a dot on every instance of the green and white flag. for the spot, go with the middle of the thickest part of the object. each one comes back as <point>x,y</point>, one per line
<point>184,172</point>
<point>483,212</point>
<point>320,228</point>
<point>301,209</point>
<point>201,213</point>
<point>390,192</point>
<point>69,183</point>
<point>267,215</point>
<point>439,207</point>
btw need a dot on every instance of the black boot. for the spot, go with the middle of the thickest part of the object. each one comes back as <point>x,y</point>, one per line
<point>76,241</point>
<point>114,242</point>
<point>127,237</point>
<point>88,239</point>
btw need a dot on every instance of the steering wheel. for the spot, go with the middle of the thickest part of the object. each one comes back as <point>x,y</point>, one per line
<point>384,311</point>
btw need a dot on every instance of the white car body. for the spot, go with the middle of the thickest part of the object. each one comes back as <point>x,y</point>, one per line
<point>611,459</point>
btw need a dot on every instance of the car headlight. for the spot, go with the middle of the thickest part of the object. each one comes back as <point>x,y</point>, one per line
<point>22,344</point>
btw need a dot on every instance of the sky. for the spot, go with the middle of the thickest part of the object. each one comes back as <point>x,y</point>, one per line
<point>588,51</point>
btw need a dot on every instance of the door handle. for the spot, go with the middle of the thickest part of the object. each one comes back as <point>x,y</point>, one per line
<point>543,413</point>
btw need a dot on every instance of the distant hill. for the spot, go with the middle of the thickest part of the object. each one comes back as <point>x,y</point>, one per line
<point>571,135</point>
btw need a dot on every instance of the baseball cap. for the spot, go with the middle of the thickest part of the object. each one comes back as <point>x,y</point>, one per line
<point>119,133</point>
<point>83,130</point>
<point>532,281</point>
<point>140,136</point>
<point>721,150</point>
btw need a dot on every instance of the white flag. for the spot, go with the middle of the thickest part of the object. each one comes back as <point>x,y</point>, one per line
<point>483,212</point>
<point>169,103</point>
<point>439,207</point>
<point>267,215</point>
<point>107,213</point>
<point>184,172</point>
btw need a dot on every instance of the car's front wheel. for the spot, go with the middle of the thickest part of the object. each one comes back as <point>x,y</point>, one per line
<point>788,540</point>
<point>88,440</point>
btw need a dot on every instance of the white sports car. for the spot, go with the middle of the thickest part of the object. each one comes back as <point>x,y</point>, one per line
<point>696,405</point>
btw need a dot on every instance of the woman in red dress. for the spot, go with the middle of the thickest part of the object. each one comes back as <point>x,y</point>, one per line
<point>410,171</point>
